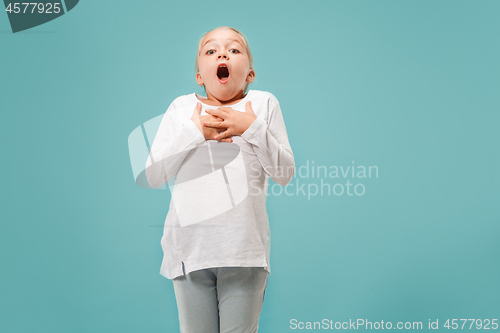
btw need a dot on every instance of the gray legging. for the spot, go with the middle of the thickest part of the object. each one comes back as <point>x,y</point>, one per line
<point>222,299</point>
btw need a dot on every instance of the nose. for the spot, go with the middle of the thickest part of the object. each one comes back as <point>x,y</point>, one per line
<point>223,55</point>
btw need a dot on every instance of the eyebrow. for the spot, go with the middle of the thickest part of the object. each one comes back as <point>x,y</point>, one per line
<point>231,39</point>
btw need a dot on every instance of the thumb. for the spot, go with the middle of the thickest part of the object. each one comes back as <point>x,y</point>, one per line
<point>195,118</point>
<point>196,112</point>
<point>197,109</point>
<point>248,107</point>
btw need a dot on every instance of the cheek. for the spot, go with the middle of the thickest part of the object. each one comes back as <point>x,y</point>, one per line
<point>241,71</point>
<point>204,67</point>
<point>205,73</point>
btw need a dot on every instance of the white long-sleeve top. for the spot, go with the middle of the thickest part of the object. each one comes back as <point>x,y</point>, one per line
<point>217,215</point>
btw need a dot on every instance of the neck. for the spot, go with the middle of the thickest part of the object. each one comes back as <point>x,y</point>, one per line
<point>216,101</point>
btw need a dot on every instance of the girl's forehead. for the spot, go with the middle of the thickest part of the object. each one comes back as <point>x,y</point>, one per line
<point>222,35</point>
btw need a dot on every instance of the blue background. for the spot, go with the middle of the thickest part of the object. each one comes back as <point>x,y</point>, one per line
<point>411,87</point>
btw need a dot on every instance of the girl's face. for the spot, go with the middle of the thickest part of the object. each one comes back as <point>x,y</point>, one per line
<point>224,66</point>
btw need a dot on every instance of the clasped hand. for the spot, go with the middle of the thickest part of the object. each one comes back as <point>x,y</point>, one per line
<point>223,122</point>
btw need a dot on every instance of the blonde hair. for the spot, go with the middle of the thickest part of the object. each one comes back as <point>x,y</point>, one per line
<point>247,47</point>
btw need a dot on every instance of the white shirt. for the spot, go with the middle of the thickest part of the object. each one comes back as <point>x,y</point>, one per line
<point>217,215</point>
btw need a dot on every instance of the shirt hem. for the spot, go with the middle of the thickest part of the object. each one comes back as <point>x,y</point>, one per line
<point>194,266</point>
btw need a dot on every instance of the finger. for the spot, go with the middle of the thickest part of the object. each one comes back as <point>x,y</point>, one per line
<point>248,107</point>
<point>216,112</point>
<point>216,125</point>
<point>197,109</point>
<point>195,118</point>
<point>226,109</point>
<point>222,135</point>
<point>227,140</point>
<point>215,118</point>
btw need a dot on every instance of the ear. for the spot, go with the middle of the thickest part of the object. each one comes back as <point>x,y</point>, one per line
<point>250,76</point>
<point>199,80</point>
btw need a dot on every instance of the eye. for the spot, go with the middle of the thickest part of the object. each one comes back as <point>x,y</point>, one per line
<point>234,51</point>
<point>210,52</point>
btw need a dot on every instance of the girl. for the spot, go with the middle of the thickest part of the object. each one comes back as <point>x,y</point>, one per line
<point>216,239</point>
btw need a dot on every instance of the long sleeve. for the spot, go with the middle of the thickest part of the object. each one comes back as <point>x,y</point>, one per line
<point>271,145</point>
<point>177,135</point>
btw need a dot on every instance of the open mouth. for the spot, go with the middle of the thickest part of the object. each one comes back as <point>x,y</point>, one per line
<point>223,73</point>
